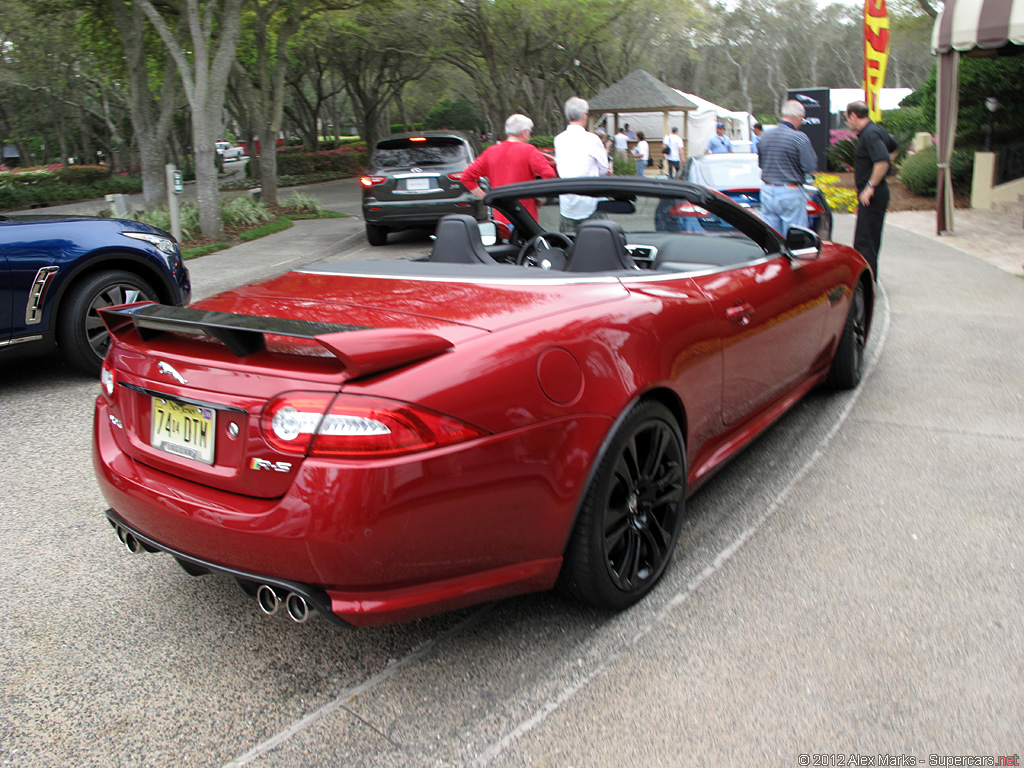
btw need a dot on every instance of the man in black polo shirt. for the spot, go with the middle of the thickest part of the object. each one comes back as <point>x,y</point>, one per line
<point>871,162</point>
<point>786,159</point>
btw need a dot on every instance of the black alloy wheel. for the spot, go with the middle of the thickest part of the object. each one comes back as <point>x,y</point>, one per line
<point>628,527</point>
<point>848,364</point>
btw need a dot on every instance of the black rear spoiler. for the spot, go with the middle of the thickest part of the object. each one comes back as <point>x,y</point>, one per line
<point>361,349</point>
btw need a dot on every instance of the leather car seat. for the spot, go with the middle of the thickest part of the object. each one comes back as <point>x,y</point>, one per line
<point>457,241</point>
<point>600,246</point>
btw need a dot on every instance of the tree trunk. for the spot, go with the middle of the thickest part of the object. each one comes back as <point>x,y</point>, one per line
<point>151,121</point>
<point>204,78</point>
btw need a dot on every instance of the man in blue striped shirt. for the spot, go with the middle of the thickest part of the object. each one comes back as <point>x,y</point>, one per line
<point>786,158</point>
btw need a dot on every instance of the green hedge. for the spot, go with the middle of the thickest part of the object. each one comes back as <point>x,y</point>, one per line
<point>20,195</point>
<point>919,171</point>
<point>348,160</point>
<point>72,175</point>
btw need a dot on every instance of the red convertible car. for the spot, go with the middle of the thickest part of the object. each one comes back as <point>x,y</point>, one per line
<point>382,440</point>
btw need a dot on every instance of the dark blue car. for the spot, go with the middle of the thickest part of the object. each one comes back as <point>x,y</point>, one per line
<point>56,271</point>
<point>738,176</point>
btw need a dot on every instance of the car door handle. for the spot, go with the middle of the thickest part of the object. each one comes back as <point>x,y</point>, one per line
<point>740,314</point>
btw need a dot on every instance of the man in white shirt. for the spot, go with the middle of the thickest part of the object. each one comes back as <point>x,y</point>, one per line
<point>621,144</point>
<point>578,152</point>
<point>672,145</point>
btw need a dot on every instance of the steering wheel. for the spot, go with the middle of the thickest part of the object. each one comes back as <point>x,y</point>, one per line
<point>539,252</point>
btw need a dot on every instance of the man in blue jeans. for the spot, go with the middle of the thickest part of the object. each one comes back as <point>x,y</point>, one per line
<point>786,158</point>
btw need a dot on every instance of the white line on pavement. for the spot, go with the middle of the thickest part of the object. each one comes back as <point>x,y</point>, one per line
<point>723,557</point>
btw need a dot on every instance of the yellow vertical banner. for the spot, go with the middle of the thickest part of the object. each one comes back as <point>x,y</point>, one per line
<point>876,54</point>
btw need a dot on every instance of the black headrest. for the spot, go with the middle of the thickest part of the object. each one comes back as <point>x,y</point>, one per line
<point>457,241</point>
<point>600,246</point>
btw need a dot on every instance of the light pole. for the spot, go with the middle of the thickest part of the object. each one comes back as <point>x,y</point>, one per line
<point>991,104</point>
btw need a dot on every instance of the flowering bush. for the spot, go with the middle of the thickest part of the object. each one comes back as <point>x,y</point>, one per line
<point>841,145</point>
<point>840,134</point>
<point>54,174</point>
<point>348,160</point>
<point>26,187</point>
<point>839,198</point>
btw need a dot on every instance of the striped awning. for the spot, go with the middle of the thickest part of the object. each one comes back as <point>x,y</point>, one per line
<point>978,25</point>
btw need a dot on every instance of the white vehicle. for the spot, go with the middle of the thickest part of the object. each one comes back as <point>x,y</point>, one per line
<point>228,152</point>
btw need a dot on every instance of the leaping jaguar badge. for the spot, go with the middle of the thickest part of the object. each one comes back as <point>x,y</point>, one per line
<point>165,368</point>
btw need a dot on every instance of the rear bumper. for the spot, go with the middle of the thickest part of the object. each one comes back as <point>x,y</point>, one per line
<point>377,541</point>
<point>350,609</point>
<point>317,598</point>
<point>402,214</point>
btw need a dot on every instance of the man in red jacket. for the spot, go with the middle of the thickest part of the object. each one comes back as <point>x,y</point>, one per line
<point>509,162</point>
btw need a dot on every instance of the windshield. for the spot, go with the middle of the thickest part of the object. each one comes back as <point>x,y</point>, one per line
<point>732,173</point>
<point>406,153</point>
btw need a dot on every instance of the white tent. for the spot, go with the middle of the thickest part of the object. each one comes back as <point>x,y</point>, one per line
<point>889,98</point>
<point>700,124</point>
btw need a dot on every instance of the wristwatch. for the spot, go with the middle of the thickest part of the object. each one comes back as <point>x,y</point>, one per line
<point>869,184</point>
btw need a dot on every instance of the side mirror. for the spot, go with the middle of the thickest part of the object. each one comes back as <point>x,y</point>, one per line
<point>488,232</point>
<point>803,244</point>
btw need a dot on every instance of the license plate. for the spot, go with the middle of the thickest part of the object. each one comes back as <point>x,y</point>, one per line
<point>417,184</point>
<point>184,430</point>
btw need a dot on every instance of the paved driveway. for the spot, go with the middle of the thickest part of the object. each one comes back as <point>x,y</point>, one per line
<point>851,584</point>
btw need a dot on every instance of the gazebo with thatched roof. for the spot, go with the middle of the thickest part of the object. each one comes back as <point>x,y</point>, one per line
<point>640,91</point>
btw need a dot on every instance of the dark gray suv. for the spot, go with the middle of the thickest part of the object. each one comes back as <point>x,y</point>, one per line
<point>414,179</point>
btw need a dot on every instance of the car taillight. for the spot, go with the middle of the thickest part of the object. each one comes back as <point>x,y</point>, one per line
<point>813,209</point>
<point>356,426</point>
<point>289,422</point>
<point>370,181</point>
<point>686,208</point>
<point>457,176</point>
<point>107,375</point>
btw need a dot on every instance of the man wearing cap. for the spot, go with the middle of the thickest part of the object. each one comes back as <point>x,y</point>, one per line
<point>671,145</point>
<point>786,158</point>
<point>719,144</point>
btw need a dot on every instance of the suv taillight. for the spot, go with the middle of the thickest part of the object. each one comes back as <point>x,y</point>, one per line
<point>355,426</point>
<point>371,181</point>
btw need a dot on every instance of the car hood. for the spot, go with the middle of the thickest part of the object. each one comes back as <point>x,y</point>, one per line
<point>120,225</point>
<point>417,296</point>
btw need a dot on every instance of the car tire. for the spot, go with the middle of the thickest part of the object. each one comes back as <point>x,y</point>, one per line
<point>630,519</point>
<point>81,335</point>
<point>376,234</point>
<point>848,363</point>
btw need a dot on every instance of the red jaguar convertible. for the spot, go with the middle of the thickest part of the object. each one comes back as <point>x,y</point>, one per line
<point>382,440</point>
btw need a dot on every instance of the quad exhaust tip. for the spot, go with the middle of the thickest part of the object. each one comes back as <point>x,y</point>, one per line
<point>270,602</point>
<point>269,599</point>
<point>127,538</point>
<point>298,608</point>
